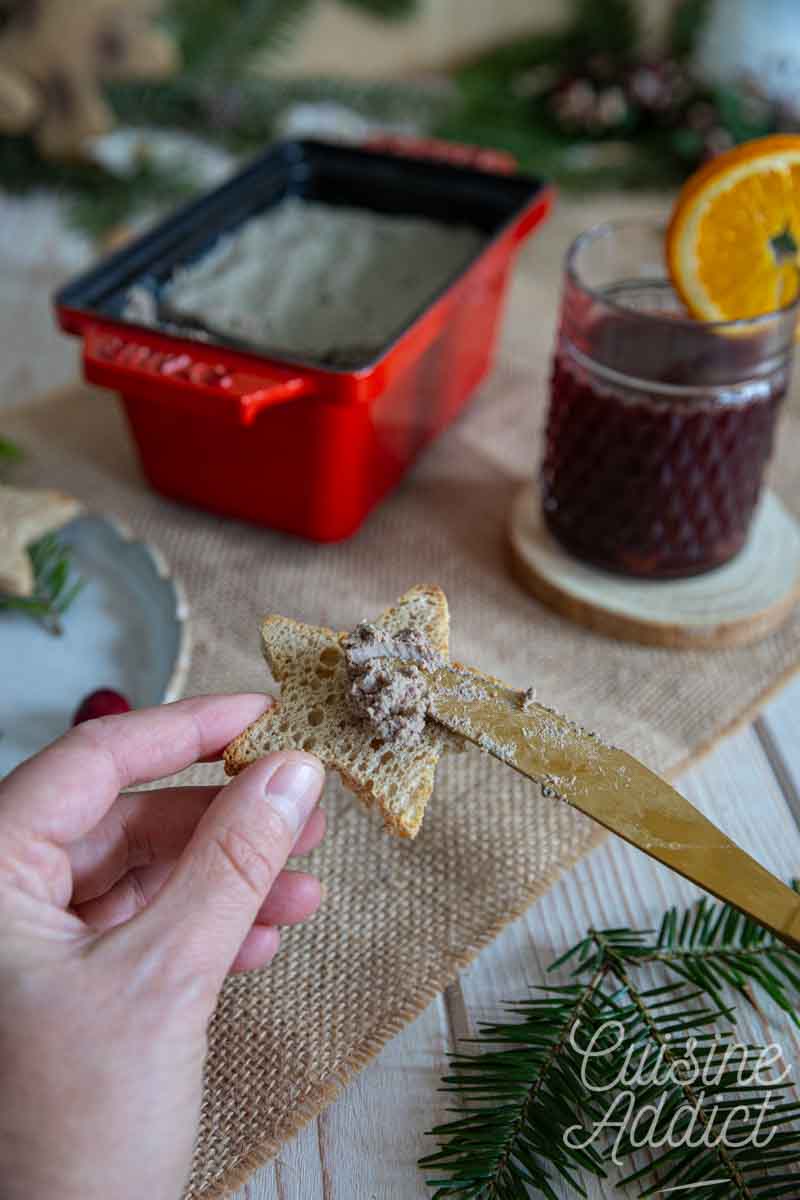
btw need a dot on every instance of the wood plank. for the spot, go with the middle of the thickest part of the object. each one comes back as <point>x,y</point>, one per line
<point>298,1168</point>
<point>371,1138</point>
<point>261,1186</point>
<point>296,1174</point>
<point>619,885</point>
<point>779,731</point>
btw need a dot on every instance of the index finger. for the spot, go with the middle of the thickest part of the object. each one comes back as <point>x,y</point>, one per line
<point>62,792</point>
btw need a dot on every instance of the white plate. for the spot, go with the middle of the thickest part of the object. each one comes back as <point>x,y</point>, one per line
<point>126,630</point>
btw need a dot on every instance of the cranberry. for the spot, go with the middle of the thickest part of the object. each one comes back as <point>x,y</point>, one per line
<point>105,702</point>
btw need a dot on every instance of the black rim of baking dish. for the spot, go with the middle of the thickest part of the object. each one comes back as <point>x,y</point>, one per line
<point>190,231</point>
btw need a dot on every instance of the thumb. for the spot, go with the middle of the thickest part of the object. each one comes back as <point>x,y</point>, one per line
<point>206,908</point>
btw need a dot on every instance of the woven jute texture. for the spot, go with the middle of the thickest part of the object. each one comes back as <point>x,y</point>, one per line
<point>399,919</point>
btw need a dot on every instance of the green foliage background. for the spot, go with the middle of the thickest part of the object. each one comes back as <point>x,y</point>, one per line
<point>493,101</point>
<point>641,997</point>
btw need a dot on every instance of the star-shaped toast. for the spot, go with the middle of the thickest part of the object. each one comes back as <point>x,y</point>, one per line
<point>26,516</point>
<point>315,712</point>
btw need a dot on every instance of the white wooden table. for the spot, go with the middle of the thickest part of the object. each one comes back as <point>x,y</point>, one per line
<point>366,1145</point>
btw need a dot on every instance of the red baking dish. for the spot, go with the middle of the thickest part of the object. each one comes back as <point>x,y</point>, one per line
<point>305,447</point>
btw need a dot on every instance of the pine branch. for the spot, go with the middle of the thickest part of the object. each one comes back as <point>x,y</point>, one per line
<point>716,1123</point>
<point>720,945</point>
<point>387,10</point>
<point>241,115</point>
<point>244,112</point>
<point>610,28</point>
<point>220,37</point>
<point>96,210</point>
<point>97,200</point>
<point>711,946</point>
<point>527,1097</point>
<point>54,587</point>
<point>687,21</point>
<point>701,1086</point>
<point>9,452</point>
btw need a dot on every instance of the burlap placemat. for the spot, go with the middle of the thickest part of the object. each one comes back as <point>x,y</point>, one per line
<point>400,919</point>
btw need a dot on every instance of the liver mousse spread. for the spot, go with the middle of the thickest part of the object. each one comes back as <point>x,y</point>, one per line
<point>387,687</point>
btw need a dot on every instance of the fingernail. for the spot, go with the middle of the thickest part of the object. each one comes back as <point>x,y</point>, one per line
<point>294,790</point>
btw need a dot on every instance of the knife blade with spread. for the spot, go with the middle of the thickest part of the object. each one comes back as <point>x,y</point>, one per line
<point>398,683</point>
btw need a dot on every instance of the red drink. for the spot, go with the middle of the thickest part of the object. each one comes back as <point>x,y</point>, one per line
<point>659,427</point>
<point>648,488</point>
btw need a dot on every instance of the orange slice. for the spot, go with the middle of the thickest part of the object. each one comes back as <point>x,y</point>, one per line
<point>733,243</point>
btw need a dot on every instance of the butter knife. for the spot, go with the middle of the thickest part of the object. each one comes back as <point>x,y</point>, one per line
<point>614,789</point>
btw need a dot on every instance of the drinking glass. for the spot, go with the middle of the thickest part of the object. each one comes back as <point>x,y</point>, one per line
<point>660,427</point>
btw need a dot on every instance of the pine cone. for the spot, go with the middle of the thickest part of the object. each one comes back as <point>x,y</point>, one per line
<point>582,106</point>
<point>658,88</point>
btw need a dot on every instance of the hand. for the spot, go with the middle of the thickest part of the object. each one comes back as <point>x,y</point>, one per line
<point>120,917</point>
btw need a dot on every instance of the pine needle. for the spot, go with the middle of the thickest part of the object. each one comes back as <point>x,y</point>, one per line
<point>389,10</point>
<point>527,1106</point>
<point>55,587</point>
<point>9,452</point>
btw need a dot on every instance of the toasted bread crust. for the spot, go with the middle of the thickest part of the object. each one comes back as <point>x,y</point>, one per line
<point>314,713</point>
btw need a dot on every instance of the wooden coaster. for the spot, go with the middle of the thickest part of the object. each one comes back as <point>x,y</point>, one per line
<point>731,606</point>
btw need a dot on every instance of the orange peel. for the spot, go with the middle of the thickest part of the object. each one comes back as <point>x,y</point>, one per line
<point>733,242</point>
